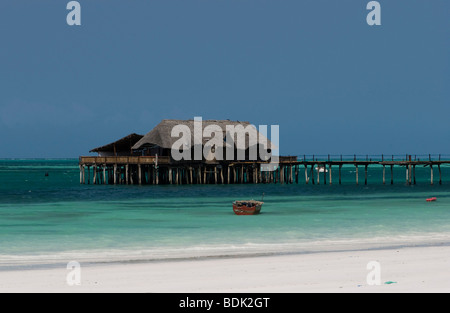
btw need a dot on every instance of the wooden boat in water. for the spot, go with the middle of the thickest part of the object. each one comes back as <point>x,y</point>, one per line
<point>247,207</point>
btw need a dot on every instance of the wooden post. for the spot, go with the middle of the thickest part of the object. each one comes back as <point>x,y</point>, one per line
<point>170,175</point>
<point>431,167</point>
<point>365,174</point>
<point>318,175</point>
<point>83,174</point>
<point>331,177</point>
<point>157,169</point>
<point>282,174</point>
<point>392,174</point>
<point>357,178</point>
<point>131,176</point>
<point>340,175</point>
<point>384,174</point>
<point>407,174</point>
<point>296,174</point>
<point>228,174</point>
<point>414,174</point>
<point>215,174</point>
<point>306,174</point>
<point>140,174</point>
<point>94,179</point>
<point>312,173</point>
<point>115,174</point>
<point>221,175</point>
<point>324,173</point>
<point>440,174</point>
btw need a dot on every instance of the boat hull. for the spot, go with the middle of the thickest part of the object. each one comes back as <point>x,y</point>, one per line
<point>252,209</point>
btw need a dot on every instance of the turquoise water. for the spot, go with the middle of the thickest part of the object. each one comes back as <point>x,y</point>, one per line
<point>44,219</point>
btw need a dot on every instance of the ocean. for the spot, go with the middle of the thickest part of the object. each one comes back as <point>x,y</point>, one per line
<point>48,220</point>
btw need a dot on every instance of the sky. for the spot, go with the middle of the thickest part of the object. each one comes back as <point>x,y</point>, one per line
<point>333,84</point>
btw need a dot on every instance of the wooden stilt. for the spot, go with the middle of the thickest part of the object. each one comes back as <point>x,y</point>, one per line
<point>318,175</point>
<point>357,178</point>
<point>139,174</point>
<point>431,169</point>
<point>340,174</point>
<point>306,174</point>
<point>407,174</point>
<point>384,174</point>
<point>365,174</point>
<point>440,174</point>
<point>392,174</point>
<point>331,176</point>
<point>131,175</point>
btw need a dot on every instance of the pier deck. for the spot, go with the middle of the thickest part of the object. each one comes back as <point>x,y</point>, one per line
<point>162,170</point>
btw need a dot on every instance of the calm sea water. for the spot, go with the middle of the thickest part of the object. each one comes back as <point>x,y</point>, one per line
<point>45,219</point>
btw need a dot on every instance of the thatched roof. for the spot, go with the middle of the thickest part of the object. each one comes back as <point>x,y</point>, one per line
<point>123,144</point>
<point>161,134</point>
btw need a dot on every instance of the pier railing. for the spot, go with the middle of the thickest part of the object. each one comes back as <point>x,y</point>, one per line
<point>124,160</point>
<point>371,157</point>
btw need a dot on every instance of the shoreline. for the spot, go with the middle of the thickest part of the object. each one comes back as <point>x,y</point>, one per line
<point>213,252</point>
<point>412,269</point>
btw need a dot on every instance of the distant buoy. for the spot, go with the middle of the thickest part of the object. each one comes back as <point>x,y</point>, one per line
<point>431,199</point>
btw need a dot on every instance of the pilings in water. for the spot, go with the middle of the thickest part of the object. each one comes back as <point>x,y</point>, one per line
<point>137,170</point>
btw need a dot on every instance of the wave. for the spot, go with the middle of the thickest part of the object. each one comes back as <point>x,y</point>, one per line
<point>162,254</point>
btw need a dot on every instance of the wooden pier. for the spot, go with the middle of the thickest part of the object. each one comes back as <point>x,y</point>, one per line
<point>154,170</point>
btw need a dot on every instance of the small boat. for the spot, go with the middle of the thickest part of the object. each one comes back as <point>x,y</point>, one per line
<point>431,199</point>
<point>247,207</point>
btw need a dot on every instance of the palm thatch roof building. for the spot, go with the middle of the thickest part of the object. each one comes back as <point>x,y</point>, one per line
<point>242,138</point>
<point>121,147</point>
<point>213,151</point>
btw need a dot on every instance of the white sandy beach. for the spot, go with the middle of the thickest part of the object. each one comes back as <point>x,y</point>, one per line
<point>421,269</point>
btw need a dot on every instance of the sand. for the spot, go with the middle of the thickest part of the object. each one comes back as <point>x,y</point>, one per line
<point>416,269</point>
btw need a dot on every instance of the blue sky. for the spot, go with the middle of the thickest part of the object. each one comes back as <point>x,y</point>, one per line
<point>334,84</point>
